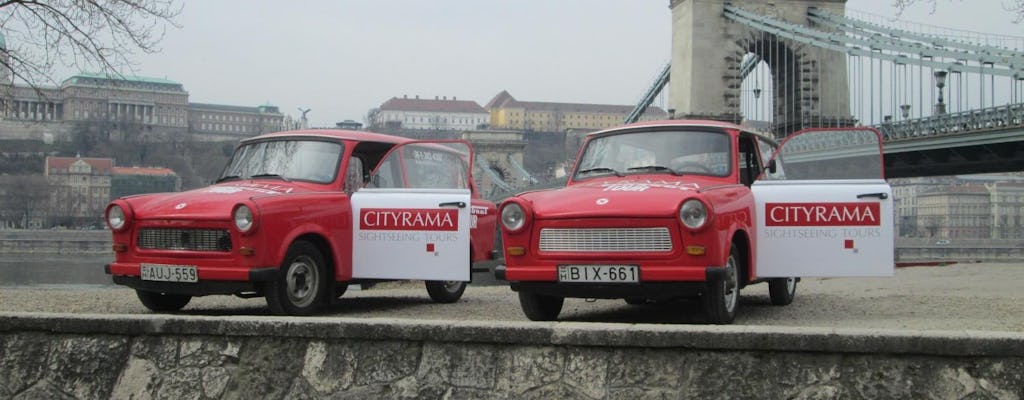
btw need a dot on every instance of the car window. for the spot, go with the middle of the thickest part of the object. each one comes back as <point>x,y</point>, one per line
<point>674,152</point>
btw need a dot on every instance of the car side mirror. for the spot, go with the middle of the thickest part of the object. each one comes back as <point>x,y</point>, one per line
<point>771,166</point>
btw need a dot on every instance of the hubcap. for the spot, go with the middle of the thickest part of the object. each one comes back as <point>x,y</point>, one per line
<point>302,279</point>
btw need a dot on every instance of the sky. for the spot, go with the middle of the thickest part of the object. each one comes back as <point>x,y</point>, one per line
<point>342,58</point>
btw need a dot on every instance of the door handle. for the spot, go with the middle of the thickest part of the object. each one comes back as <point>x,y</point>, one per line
<point>459,204</point>
<point>880,195</point>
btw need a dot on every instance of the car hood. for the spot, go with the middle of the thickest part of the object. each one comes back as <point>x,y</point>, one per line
<point>610,198</point>
<point>209,203</point>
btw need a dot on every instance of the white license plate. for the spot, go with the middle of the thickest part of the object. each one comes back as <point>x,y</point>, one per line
<point>599,273</point>
<point>170,273</point>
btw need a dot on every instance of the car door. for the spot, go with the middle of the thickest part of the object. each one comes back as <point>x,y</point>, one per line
<point>412,221</point>
<point>825,209</point>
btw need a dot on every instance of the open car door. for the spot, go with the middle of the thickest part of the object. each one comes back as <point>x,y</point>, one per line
<point>826,210</point>
<point>412,220</point>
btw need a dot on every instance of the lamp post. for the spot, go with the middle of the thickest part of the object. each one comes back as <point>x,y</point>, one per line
<point>940,82</point>
<point>905,111</point>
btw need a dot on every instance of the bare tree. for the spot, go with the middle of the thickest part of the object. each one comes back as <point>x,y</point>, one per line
<point>98,35</point>
<point>24,197</point>
<point>372,118</point>
<point>1014,6</point>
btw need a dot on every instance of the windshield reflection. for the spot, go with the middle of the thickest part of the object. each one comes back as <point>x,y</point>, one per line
<point>668,152</point>
<point>305,160</point>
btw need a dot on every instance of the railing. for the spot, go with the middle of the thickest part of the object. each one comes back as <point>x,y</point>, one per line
<point>994,118</point>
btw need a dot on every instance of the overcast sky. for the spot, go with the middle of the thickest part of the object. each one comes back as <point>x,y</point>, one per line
<point>341,58</point>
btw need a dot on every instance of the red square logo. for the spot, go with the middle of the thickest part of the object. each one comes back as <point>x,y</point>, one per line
<point>430,247</point>
<point>848,244</point>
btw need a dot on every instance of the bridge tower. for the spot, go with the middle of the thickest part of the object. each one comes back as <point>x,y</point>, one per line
<point>809,84</point>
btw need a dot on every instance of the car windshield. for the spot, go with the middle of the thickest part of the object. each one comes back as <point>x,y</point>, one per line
<point>305,160</point>
<point>676,152</point>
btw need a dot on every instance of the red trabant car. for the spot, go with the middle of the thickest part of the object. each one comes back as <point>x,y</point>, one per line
<point>661,210</point>
<point>298,216</point>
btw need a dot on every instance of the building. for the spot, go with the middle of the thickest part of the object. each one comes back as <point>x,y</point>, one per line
<point>508,113</point>
<point>127,181</point>
<point>234,120</point>
<point>80,188</point>
<point>150,104</point>
<point>438,114</point>
<point>985,206</point>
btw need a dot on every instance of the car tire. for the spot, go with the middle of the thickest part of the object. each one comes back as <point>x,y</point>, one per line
<point>721,298</point>
<point>538,307</point>
<point>636,301</point>
<point>782,290</point>
<point>445,291</point>
<point>339,289</point>
<point>163,302</point>
<point>301,284</point>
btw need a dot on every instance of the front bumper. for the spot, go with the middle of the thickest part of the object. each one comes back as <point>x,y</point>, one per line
<point>645,289</point>
<point>256,277</point>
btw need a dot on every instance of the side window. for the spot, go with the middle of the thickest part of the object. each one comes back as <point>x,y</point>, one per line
<point>749,160</point>
<point>767,151</point>
<point>354,175</point>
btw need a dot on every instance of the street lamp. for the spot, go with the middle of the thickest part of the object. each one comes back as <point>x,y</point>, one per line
<point>940,82</point>
<point>905,111</point>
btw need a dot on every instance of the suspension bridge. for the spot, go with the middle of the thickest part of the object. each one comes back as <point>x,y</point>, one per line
<point>946,101</point>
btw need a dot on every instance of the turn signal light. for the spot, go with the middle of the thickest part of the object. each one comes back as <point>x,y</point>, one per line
<point>246,251</point>
<point>119,247</point>
<point>515,251</point>
<point>695,250</point>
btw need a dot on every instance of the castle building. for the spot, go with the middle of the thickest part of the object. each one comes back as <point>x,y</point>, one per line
<point>438,114</point>
<point>508,113</point>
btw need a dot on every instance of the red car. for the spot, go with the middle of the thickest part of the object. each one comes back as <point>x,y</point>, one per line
<point>298,216</point>
<point>661,210</point>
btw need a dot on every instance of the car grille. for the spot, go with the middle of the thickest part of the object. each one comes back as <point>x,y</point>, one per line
<point>605,239</point>
<point>185,239</point>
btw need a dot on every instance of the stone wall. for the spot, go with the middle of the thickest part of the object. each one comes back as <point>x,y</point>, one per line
<point>191,357</point>
<point>59,241</point>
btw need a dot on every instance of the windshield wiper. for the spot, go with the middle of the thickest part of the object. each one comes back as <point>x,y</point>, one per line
<point>267,175</point>
<point>656,168</point>
<point>227,178</point>
<point>601,169</point>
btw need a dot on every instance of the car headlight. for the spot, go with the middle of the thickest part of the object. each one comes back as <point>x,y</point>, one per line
<point>513,217</point>
<point>244,218</point>
<point>116,218</point>
<point>693,213</point>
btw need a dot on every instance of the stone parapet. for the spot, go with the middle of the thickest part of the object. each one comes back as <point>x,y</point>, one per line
<point>162,356</point>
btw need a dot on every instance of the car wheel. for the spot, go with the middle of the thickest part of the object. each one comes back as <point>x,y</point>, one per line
<point>722,298</point>
<point>163,302</point>
<point>782,290</point>
<point>538,307</point>
<point>445,291</point>
<point>301,283</point>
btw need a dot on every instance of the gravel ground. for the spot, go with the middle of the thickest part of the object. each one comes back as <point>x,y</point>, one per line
<point>981,296</point>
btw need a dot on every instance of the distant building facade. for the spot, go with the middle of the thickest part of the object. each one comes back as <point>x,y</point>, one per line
<point>988,206</point>
<point>438,114</point>
<point>81,187</point>
<point>154,104</point>
<point>127,181</point>
<point>508,113</point>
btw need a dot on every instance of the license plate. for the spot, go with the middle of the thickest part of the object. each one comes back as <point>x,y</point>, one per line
<point>599,273</point>
<point>170,273</point>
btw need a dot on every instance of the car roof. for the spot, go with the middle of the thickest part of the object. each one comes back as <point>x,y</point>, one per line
<point>339,134</point>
